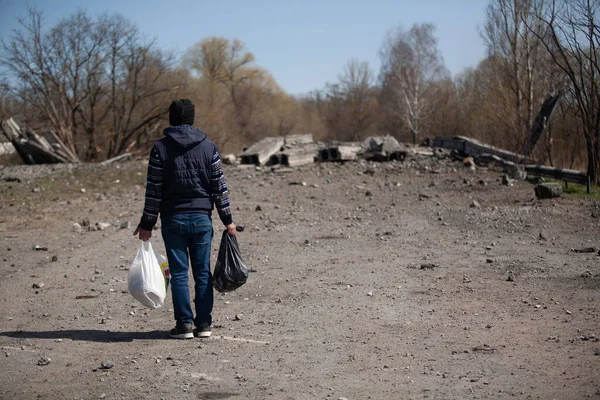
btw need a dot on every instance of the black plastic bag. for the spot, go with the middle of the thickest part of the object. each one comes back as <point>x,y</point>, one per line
<point>230,271</point>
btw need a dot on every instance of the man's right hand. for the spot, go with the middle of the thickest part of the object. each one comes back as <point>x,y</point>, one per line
<point>143,234</point>
<point>231,229</point>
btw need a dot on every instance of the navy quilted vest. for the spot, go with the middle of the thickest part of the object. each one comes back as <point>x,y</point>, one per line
<point>186,154</point>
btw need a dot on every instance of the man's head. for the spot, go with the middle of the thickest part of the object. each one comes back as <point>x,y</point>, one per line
<point>181,112</point>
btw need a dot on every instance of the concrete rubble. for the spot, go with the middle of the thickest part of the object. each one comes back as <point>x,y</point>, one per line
<point>260,153</point>
<point>286,152</point>
<point>385,148</point>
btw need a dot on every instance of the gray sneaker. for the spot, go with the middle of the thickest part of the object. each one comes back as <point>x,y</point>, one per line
<point>202,331</point>
<point>182,330</point>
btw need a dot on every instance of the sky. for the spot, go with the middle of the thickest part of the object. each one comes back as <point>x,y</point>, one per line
<point>302,43</point>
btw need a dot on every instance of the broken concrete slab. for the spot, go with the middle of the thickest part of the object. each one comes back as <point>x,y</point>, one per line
<point>295,140</point>
<point>297,159</point>
<point>474,148</point>
<point>340,152</point>
<point>295,156</point>
<point>261,152</point>
<point>383,148</point>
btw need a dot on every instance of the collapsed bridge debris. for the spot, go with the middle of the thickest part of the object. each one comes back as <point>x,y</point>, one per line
<point>45,148</point>
<point>474,148</point>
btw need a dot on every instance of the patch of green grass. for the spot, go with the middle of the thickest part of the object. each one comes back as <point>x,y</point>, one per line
<point>580,190</point>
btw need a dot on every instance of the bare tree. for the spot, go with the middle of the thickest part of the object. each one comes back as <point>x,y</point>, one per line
<point>411,62</point>
<point>573,40</point>
<point>51,65</point>
<point>207,58</point>
<point>511,34</point>
<point>139,75</point>
<point>348,106</point>
<point>6,100</point>
<point>222,63</point>
<point>83,73</point>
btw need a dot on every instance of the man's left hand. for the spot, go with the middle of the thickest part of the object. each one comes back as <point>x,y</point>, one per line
<point>143,234</point>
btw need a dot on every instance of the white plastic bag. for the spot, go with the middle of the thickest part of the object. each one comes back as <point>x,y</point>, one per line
<point>145,280</point>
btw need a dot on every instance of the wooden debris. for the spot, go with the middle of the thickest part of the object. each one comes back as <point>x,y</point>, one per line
<point>117,158</point>
<point>584,250</point>
<point>487,349</point>
<point>243,340</point>
<point>46,148</point>
<point>261,152</point>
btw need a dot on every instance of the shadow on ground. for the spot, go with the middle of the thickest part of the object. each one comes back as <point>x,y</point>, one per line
<point>90,335</point>
<point>216,395</point>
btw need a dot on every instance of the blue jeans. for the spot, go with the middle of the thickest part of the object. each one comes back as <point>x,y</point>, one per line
<point>189,233</point>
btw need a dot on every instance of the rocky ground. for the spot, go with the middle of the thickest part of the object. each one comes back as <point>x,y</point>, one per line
<point>406,280</point>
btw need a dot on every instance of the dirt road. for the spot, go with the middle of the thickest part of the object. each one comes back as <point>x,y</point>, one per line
<point>369,281</point>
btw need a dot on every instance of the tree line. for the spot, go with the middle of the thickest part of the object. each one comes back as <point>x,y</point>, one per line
<point>104,87</point>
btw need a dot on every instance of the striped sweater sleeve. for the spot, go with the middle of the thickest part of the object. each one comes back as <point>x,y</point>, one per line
<point>220,194</point>
<point>154,183</point>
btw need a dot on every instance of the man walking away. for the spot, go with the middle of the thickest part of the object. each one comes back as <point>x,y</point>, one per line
<point>185,181</point>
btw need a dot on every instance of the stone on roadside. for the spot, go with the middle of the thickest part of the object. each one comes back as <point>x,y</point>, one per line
<point>102,225</point>
<point>507,181</point>
<point>106,365</point>
<point>229,159</point>
<point>38,285</point>
<point>475,204</point>
<point>125,225</point>
<point>77,227</point>
<point>36,190</point>
<point>44,361</point>
<point>548,190</point>
<point>469,163</point>
<point>518,173</point>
